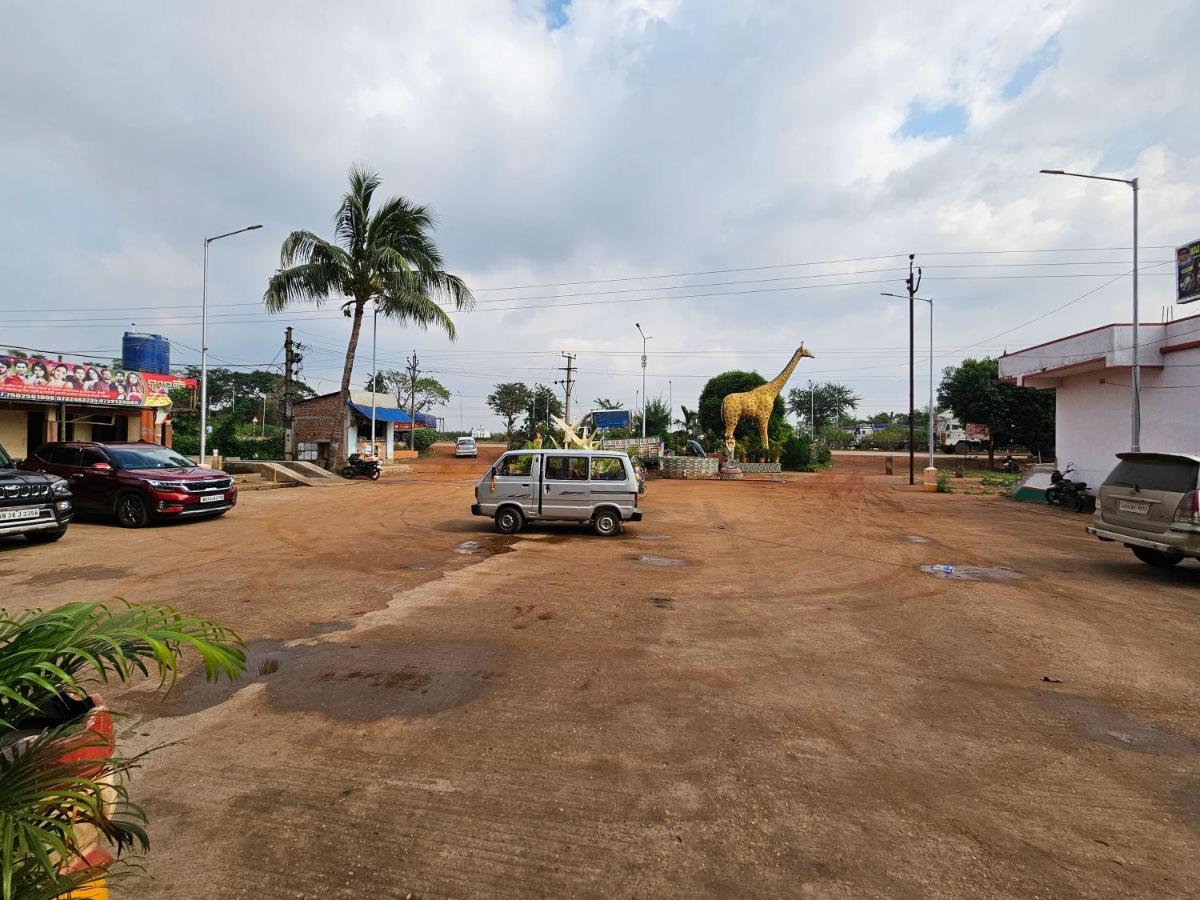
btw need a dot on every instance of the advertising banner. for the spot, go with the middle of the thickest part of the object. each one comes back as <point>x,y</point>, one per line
<point>90,383</point>
<point>1187,271</point>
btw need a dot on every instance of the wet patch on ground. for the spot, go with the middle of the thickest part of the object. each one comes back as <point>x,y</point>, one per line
<point>916,539</point>
<point>485,546</point>
<point>653,537</point>
<point>646,559</point>
<point>663,602</point>
<point>374,678</point>
<point>77,573</point>
<point>971,573</point>
<point>1110,725</point>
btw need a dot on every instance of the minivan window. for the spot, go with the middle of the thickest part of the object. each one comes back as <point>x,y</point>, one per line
<point>519,465</point>
<point>1176,476</point>
<point>607,468</point>
<point>566,468</point>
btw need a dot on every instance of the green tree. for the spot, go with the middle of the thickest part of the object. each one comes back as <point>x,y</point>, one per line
<point>747,432</point>
<point>394,382</point>
<point>658,418</point>
<point>543,403</point>
<point>386,256</point>
<point>974,391</point>
<point>824,404</point>
<point>508,401</point>
<point>605,403</point>
<point>690,422</point>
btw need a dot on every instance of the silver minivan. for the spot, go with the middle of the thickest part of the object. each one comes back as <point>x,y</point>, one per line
<point>559,485</point>
<point>1151,503</point>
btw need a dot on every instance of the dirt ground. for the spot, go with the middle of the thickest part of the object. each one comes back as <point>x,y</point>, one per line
<point>757,691</point>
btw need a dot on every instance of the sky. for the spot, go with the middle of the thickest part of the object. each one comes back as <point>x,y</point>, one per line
<point>738,178</point>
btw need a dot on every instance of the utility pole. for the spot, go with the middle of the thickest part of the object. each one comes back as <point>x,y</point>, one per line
<point>413,369</point>
<point>568,383</point>
<point>291,360</point>
<point>644,340</point>
<point>913,286</point>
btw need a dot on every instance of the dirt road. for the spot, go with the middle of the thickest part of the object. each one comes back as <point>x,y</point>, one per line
<point>755,692</point>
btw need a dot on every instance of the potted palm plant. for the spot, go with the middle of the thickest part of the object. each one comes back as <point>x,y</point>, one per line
<point>65,812</point>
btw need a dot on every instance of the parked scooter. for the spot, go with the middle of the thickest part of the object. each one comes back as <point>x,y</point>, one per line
<point>1010,465</point>
<point>358,464</point>
<point>1065,492</point>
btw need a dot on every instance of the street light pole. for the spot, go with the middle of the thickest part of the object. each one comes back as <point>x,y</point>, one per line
<point>1135,399</point>
<point>931,416</point>
<point>644,339</point>
<point>204,339</point>
<point>374,371</point>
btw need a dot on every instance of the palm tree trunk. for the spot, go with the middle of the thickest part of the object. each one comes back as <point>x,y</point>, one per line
<point>347,372</point>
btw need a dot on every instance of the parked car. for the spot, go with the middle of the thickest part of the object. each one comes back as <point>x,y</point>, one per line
<point>136,482</point>
<point>1151,503</point>
<point>555,485</point>
<point>38,506</point>
<point>465,446</point>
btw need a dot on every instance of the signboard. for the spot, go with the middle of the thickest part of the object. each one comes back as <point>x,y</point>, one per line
<point>36,378</point>
<point>1187,271</point>
<point>611,418</point>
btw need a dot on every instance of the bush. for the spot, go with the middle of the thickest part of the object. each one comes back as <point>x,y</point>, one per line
<point>424,438</point>
<point>821,454</point>
<point>746,434</point>
<point>943,483</point>
<point>835,438</point>
<point>797,454</point>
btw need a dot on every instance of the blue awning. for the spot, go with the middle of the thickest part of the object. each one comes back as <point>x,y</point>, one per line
<point>384,413</point>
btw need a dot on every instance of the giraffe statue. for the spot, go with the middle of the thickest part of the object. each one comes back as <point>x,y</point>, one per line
<point>758,403</point>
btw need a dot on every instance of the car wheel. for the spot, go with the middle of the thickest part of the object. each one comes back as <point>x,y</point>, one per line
<point>45,537</point>
<point>509,520</point>
<point>1152,557</point>
<point>606,523</point>
<point>131,511</point>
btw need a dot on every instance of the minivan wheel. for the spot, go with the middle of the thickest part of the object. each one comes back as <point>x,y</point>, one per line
<point>1153,557</point>
<point>131,511</point>
<point>606,523</point>
<point>509,520</point>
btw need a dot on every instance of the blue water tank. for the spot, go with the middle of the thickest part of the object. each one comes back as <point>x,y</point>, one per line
<point>146,353</point>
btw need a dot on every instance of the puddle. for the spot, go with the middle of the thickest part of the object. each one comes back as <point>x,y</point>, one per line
<point>331,627</point>
<point>485,546</point>
<point>971,573</point>
<point>663,602</point>
<point>916,539</point>
<point>663,561</point>
<point>470,548</point>
<point>379,677</point>
<point>1110,725</point>
<point>653,537</point>
<point>80,573</point>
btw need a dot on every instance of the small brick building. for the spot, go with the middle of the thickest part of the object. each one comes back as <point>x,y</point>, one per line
<point>325,430</point>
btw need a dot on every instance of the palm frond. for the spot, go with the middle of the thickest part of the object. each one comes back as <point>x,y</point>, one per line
<point>47,800</point>
<point>353,215</point>
<point>401,302</point>
<point>47,656</point>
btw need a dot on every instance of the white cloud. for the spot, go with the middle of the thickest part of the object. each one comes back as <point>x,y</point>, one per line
<point>642,137</point>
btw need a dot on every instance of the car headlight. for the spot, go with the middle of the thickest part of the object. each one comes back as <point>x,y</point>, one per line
<point>166,485</point>
<point>60,488</point>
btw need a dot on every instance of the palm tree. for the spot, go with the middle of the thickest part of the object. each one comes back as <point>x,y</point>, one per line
<point>387,256</point>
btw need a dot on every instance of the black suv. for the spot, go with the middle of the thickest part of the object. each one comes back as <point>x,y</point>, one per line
<point>35,505</point>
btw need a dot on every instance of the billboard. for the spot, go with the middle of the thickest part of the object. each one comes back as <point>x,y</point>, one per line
<point>1187,272</point>
<point>610,418</point>
<point>36,378</point>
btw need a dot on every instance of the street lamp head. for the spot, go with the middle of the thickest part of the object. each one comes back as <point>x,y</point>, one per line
<point>1051,172</point>
<point>254,228</point>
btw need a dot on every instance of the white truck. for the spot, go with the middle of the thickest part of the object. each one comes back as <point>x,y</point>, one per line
<point>951,436</point>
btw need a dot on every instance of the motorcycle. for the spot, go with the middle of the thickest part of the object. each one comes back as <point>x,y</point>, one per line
<point>358,464</point>
<point>1065,492</point>
<point>1010,465</point>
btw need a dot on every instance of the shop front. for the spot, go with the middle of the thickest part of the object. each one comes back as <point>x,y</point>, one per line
<point>55,399</point>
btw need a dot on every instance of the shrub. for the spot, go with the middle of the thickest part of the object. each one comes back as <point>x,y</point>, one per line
<point>797,454</point>
<point>424,438</point>
<point>943,483</point>
<point>821,454</point>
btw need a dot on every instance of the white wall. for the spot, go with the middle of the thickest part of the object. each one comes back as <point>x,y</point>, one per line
<point>1093,414</point>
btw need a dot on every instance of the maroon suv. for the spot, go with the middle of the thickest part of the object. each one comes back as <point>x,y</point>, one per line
<point>136,482</point>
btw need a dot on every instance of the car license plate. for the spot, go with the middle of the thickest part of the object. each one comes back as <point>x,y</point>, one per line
<point>1131,506</point>
<point>212,498</point>
<point>8,515</point>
